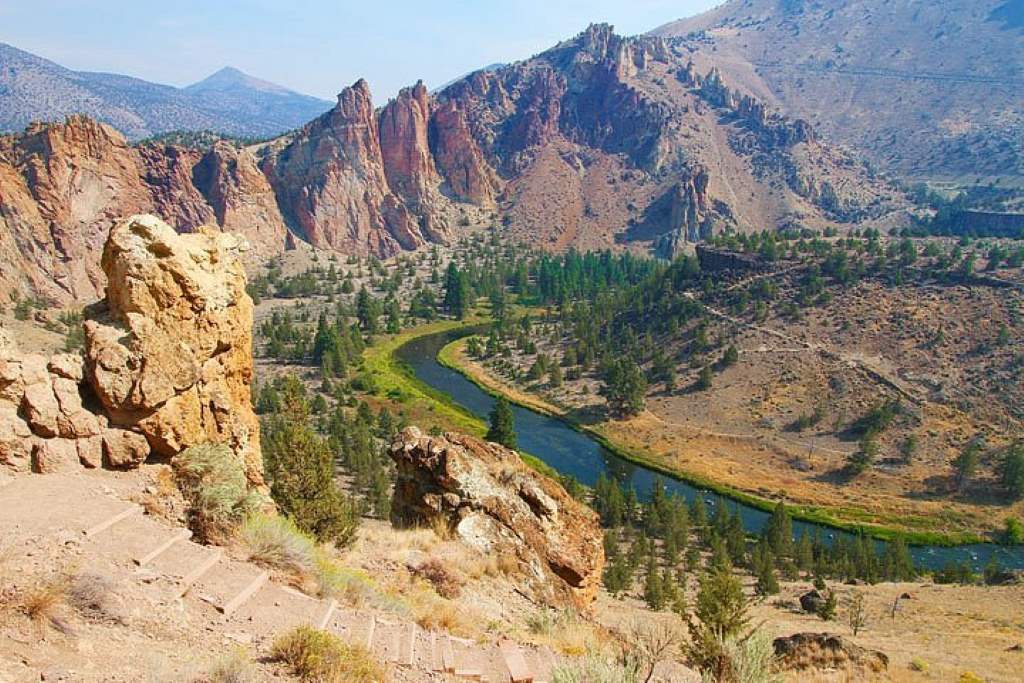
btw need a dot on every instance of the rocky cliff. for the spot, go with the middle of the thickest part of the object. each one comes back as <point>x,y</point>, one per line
<point>63,186</point>
<point>497,504</point>
<point>599,140</point>
<point>167,364</point>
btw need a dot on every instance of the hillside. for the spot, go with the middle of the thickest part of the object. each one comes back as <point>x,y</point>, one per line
<point>601,141</point>
<point>229,101</point>
<point>927,90</point>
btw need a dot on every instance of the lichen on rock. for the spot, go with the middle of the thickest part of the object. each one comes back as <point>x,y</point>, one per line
<point>169,352</point>
<point>497,504</point>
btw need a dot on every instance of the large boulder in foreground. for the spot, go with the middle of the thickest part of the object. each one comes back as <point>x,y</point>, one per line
<point>169,352</point>
<point>498,505</point>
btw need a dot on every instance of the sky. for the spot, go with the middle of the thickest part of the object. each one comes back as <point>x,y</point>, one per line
<point>313,46</point>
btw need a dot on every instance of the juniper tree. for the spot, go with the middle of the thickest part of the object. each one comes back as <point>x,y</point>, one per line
<point>502,424</point>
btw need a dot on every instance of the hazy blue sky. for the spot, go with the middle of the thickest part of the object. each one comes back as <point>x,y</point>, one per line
<point>317,46</point>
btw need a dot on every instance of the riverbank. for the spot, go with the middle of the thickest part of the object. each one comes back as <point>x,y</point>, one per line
<point>393,383</point>
<point>915,529</point>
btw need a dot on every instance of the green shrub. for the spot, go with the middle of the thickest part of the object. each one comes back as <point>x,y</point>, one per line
<point>274,541</point>
<point>593,668</point>
<point>213,482</point>
<point>315,655</point>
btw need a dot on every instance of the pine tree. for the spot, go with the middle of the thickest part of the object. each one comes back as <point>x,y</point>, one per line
<point>367,311</point>
<point>779,531</point>
<point>654,592</point>
<point>456,292</point>
<point>719,615</point>
<point>502,428</point>
<point>764,568</point>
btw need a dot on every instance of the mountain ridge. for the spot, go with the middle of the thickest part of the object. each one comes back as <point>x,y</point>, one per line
<point>33,88</point>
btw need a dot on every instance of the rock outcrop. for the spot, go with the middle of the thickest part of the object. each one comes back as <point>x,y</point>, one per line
<point>331,178</point>
<point>64,185</point>
<point>498,505</point>
<point>46,422</point>
<point>169,351</point>
<point>599,132</point>
<point>826,651</point>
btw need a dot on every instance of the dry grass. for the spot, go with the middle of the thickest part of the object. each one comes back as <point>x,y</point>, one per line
<point>44,601</point>
<point>322,657</point>
<point>275,542</point>
<point>442,527</point>
<point>437,614</point>
<point>445,581</point>
<point>565,632</point>
<point>233,667</point>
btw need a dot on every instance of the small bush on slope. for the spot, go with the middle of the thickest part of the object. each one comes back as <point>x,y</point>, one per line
<point>315,655</point>
<point>276,542</point>
<point>214,484</point>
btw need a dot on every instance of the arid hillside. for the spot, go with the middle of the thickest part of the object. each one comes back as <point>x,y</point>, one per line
<point>33,89</point>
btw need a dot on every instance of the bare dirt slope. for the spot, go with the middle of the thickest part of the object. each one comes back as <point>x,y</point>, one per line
<point>930,90</point>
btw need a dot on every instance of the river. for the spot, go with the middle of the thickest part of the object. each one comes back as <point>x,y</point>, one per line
<point>574,453</point>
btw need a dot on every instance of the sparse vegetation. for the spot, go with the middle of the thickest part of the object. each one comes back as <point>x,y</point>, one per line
<point>275,541</point>
<point>321,657</point>
<point>213,482</point>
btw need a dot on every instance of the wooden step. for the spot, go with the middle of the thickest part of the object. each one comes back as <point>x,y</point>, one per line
<point>180,535</point>
<point>111,521</point>
<point>518,670</point>
<point>328,614</point>
<point>252,588</point>
<point>189,579</point>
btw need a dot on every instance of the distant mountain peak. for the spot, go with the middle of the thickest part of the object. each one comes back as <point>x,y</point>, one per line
<point>230,77</point>
<point>229,102</point>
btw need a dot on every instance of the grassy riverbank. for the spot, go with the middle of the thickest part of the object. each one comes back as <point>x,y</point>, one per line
<point>914,529</point>
<point>395,384</point>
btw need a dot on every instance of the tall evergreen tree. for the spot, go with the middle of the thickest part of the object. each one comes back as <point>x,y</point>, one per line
<point>456,292</point>
<point>502,428</point>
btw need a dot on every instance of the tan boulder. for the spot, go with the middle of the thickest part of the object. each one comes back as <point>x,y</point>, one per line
<point>169,353</point>
<point>66,365</point>
<point>497,504</point>
<point>54,455</point>
<point>90,451</point>
<point>40,408</point>
<point>124,450</point>
<point>73,420</point>
<point>15,438</point>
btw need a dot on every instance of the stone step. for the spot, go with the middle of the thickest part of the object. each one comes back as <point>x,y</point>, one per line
<point>327,614</point>
<point>165,545</point>
<point>132,538</point>
<point>519,671</point>
<point>244,595</point>
<point>226,584</point>
<point>100,527</point>
<point>274,609</point>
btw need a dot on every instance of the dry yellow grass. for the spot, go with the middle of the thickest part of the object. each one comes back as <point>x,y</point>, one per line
<point>321,657</point>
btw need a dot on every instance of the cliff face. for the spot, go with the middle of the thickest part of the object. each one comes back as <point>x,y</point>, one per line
<point>598,140</point>
<point>62,187</point>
